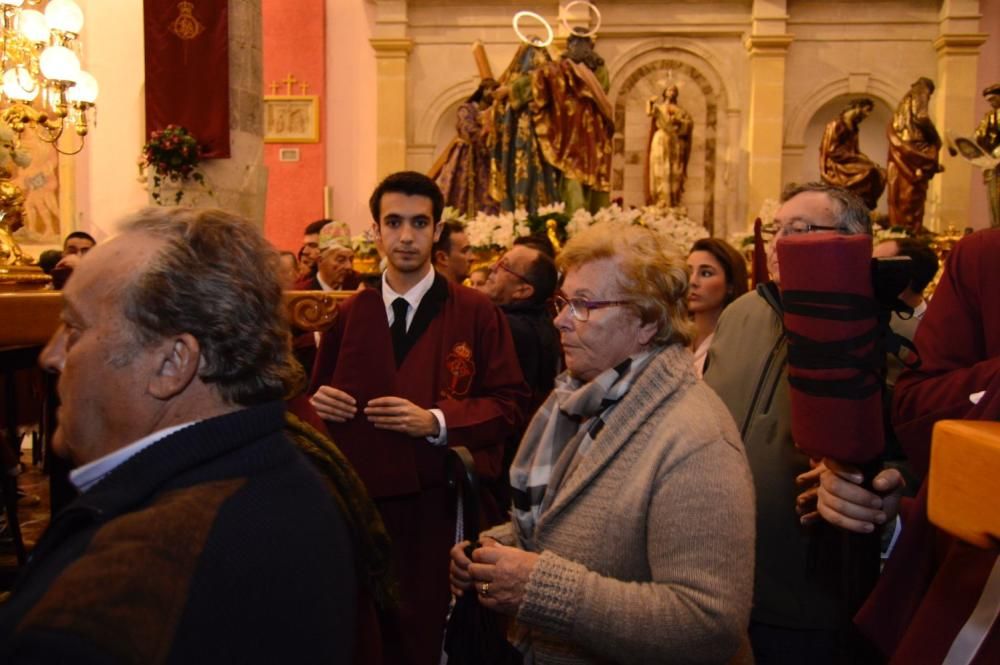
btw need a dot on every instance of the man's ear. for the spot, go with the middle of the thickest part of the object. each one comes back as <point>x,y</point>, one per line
<point>377,232</point>
<point>439,258</point>
<point>438,227</point>
<point>523,291</point>
<point>177,360</point>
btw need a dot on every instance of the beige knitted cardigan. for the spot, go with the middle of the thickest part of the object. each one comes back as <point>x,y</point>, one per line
<point>647,546</point>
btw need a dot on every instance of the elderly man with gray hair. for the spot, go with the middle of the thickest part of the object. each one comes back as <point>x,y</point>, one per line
<point>200,533</point>
<point>334,268</point>
<point>800,612</point>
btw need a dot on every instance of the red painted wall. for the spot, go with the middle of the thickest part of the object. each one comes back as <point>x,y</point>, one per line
<point>294,43</point>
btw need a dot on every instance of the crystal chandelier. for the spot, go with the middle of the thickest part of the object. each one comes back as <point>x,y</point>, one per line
<point>42,88</point>
<point>43,85</point>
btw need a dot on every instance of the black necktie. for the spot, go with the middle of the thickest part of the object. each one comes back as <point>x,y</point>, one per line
<point>399,307</point>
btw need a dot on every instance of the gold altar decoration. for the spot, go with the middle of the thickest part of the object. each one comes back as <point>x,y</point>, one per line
<point>30,318</point>
<point>313,310</point>
<point>43,90</point>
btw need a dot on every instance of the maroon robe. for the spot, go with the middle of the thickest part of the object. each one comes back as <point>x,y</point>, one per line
<point>304,341</point>
<point>933,581</point>
<point>460,360</point>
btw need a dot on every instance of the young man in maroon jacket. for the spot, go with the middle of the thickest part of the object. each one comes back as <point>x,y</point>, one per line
<point>405,371</point>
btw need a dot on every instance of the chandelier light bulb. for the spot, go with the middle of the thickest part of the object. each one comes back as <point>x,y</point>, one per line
<point>58,63</point>
<point>64,15</point>
<point>12,3</point>
<point>18,85</point>
<point>33,26</point>
<point>85,90</point>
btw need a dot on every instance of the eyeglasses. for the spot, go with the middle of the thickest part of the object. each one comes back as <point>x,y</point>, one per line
<point>502,265</point>
<point>769,231</point>
<point>580,308</point>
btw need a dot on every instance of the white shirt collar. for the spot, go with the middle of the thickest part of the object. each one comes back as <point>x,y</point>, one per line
<point>412,297</point>
<point>86,476</point>
<point>323,285</point>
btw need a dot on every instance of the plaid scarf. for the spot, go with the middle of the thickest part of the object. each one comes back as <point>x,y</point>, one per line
<point>572,412</point>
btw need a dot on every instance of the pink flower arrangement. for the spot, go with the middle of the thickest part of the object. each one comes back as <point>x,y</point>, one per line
<point>173,154</point>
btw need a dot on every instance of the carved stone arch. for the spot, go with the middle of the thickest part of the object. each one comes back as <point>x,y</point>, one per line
<point>645,63</point>
<point>711,66</point>
<point>445,101</point>
<point>800,115</point>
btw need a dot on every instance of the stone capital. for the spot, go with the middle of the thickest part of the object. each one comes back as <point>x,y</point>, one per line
<point>768,45</point>
<point>960,44</point>
<point>391,48</point>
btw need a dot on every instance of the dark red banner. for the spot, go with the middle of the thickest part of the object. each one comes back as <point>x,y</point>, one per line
<point>187,70</point>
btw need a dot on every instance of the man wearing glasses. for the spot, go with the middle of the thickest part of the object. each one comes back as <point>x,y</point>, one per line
<point>521,284</point>
<point>799,612</point>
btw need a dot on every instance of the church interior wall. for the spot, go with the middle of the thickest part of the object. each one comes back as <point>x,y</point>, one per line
<point>106,181</point>
<point>839,49</point>
<point>295,45</point>
<point>988,73</point>
<point>350,110</point>
<point>842,51</point>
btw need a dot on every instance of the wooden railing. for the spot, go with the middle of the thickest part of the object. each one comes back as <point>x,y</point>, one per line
<point>28,318</point>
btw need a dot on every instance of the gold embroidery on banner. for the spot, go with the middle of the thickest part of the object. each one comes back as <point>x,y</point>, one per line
<point>186,26</point>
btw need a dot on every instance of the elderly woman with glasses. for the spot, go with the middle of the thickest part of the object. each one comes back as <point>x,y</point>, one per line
<point>631,538</point>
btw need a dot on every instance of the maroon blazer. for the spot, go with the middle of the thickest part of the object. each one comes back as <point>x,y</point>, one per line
<point>460,359</point>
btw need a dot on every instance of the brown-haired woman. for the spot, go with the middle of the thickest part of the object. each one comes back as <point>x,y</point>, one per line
<point>718,276</point>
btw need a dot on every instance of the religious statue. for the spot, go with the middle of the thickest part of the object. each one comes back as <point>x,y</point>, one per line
<point>841,161</point>
<point>463,170</point>
<point>669,149</point>
<point>550,130</point>
<point>11,219</point>
<point>914,144</point>
<point>988,138</point>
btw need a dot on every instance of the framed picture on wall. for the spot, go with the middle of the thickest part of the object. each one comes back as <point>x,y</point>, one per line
<point>291,119</point>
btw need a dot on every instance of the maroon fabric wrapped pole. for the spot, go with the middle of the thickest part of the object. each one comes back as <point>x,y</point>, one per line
<point>833,352</point>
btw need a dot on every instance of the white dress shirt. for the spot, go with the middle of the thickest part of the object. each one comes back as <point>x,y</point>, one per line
<point>86,476</point>
<point>413,298</point>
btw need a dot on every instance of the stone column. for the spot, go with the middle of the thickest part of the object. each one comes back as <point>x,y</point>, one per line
<point>390,63</point>
<point>392,47</point>
<point>954,102</point>
<point>768,48</point>
<point>239,183</point>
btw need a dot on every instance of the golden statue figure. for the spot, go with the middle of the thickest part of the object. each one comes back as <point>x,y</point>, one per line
<point>988,138</point>
<point>11,219</point>
<point>669,149</point>
<point>841,161</point>
<point>914,145</point>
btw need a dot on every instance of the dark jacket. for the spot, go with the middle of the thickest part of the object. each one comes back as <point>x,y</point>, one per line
<point>218,544</point>
<point>797,581</point>
<point>536,342</point>
<point>351,282</point>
